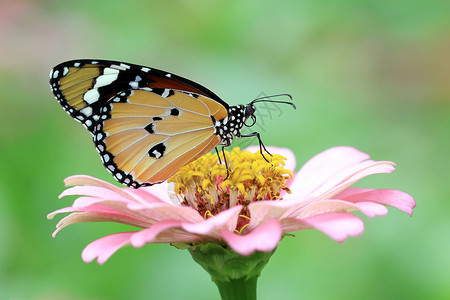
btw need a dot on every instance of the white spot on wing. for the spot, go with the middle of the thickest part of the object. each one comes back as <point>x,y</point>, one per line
<point>99,136</point>
<point>87,111</point>
<point>91,96</point>
<point>144,69</point>
<point>107,71</point>
<point>165,93</point>
<point>156,153</point>
<point>104,80</point>
<point>66,70</point>
<point>55,74</point>
<point>122,67</point>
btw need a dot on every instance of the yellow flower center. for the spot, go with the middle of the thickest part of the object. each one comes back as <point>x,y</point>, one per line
<point>203,184</point>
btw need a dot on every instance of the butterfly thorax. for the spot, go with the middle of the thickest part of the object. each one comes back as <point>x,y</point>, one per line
<point>231,126</point>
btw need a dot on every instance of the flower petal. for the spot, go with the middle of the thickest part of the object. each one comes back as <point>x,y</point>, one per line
<point>112,210</point>
<point>153,194</point>
<point>51,215</point>
<point>152,234</point>
<point>98,188</point>
<point>394,198</point>
<point>265,238</point>
<point>83,217</point>
<point>329,186</point>
<point>159,212</point>
<point>85,180</point>
<point>103,248</point>
<point>262,211</point>
<point>338,226</point>
<point>225,220</point>
<point>324,165</point>
<point>95,191</point>
<point>370,209</point>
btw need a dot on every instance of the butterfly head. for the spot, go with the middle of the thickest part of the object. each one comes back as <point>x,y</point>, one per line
<point>249,110</point>
<point>249,113</point>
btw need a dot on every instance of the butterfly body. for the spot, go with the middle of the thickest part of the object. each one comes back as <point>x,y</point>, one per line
<point>145,123</point>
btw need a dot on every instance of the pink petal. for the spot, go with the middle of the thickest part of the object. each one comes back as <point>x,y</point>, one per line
<point>91,186</point>
<point>356,173</point>
<point>327,206</point>
<point>287,153</point>
<point>324,165</point>
<point>112,210</point>
<point>225,220</point>
<point>263,211</point>
<point>153,194</point>
<point>51,215</point>
<point>150,235</point>
<point>265,238</point>
<point>83,202</point>
<point>394,198</point>
<point>103,248</point>
<point>348,192</point>
<point>329,186</point>
<point>159,212</point>
<point>95,191</point>
<point>85,180</point>
<point>84,217</point>
<point>338,226</point>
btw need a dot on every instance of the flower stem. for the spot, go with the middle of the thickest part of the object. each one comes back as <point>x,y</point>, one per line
<point>238,289</point>
<point>235,275</point>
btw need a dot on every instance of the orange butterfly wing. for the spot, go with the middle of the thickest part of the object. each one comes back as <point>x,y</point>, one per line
<point>145,123</point>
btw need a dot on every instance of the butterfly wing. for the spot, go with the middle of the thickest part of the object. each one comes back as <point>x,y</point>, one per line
<point>146,123</point>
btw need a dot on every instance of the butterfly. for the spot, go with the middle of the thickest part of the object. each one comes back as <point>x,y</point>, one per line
<point>147,123</point>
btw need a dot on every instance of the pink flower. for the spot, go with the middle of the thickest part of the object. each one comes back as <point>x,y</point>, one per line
<point>249,211</point>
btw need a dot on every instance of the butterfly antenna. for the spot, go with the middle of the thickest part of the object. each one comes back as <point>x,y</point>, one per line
<point>264,99</point>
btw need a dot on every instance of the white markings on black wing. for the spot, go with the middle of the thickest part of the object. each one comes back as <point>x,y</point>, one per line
<point>113,79</point>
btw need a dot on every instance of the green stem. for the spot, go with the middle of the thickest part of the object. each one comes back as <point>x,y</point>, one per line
<point>238,289</point>
<point>235,275</point>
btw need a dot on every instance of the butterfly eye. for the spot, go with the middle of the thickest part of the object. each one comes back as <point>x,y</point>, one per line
<point>253,117</point>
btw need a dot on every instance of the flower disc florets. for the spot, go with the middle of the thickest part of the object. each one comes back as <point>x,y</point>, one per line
<point>204,185</point>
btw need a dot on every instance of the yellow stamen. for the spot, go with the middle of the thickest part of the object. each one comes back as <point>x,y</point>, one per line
<point>207,214</point>
<point>202,183</point>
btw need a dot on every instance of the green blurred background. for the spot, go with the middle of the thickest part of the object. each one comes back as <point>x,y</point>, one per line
<point>374,75</point>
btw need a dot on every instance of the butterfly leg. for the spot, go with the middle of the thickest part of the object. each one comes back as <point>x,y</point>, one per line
<point>225,159</point>
<point>261,144</point>
<point>218,156</point>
